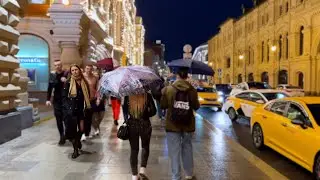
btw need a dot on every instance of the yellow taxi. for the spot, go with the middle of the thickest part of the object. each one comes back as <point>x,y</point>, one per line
<point>208,97</point>
<point>290,126</point>
<point>243,103</point>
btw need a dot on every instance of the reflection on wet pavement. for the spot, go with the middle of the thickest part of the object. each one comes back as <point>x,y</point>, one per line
<point>35,155</point>
<point>240,132</point>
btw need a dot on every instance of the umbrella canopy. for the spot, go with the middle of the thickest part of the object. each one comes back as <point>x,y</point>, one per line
<point>106,63</point>
<point>128,80</point>
<point>196,67</point>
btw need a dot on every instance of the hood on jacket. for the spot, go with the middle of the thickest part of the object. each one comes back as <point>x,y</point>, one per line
<point>182,85</point>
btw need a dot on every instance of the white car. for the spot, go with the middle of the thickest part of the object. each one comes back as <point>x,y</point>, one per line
<point>292,90</point>
<point>243,103</point>
<point>249,85</point>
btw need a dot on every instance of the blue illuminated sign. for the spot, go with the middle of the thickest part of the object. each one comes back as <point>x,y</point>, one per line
<point>30,60</point>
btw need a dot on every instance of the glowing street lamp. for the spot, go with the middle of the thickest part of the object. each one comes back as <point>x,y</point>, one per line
<point>210,64</point>
<point>66,2</point>
<point>241,56</point>
<point>273,48</point>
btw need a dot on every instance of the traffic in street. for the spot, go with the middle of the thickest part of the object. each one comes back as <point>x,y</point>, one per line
<point>239,131</point>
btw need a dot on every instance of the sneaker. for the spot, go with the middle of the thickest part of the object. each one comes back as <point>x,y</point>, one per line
<point>83,138</point>
<point>189,177</point>
<point>97,132</point>
<point>143,177</point>
<point>115,122</point>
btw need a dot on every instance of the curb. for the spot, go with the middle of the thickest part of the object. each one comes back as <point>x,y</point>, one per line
<point>250,157</point>
<point>44,119</point>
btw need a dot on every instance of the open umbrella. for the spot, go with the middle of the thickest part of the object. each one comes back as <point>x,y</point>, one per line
<point>196,67</point>
<point>106,63</point>
<point>128,80</point>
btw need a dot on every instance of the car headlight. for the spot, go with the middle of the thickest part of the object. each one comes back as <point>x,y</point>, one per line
<point>220,93</point>
<point>220,99</point>
<point>200,99</point>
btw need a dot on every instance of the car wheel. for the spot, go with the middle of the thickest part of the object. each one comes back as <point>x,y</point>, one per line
<point>257,136</point>
<point>219,109</point>
<point>232,114</point>
<point>316,168</point>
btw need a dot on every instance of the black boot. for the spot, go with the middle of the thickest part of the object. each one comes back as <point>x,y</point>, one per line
<point>115,122</point>
<point>75,153</point>
<point>62,140</point>
<point>79,140</point>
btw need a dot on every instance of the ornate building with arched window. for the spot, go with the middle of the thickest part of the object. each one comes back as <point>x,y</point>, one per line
<point>78,31</point>
<point>285,38</point>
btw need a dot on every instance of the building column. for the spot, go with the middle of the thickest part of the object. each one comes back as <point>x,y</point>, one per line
<point>70,54</point>
<point>66,30</point>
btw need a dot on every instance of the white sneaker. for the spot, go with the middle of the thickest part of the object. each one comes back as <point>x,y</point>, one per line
<point>189,177</point>
<point>83,138</point>
<point>97,132</point>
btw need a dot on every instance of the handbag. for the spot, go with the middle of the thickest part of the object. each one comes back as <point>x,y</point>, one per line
<point>123,132</point>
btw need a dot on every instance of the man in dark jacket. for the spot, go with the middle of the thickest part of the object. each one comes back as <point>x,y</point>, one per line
<point>179,136</point>
<point>56,81</point>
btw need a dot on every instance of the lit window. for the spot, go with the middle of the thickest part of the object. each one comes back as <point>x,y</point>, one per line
<point>37,1</point>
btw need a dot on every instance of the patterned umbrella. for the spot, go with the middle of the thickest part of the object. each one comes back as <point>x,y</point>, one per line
<point>128,80</point>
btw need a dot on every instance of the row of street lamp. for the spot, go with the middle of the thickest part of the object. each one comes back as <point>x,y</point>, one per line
<point>241,57</point>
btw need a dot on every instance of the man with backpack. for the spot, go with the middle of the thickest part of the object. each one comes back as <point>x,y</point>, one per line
<point>181,100</point>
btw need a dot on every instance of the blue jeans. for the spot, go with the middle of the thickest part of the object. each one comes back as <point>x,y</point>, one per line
<point>160,111</point>
<point>180,147</point>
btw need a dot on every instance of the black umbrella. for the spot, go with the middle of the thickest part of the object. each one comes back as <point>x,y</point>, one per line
<point>196,67</point>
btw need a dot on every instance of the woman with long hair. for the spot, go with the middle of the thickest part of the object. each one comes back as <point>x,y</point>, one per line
<point>137,110</point>
<point>75,98</point>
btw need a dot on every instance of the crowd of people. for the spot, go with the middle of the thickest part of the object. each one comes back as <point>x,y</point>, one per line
<point>78,107</point>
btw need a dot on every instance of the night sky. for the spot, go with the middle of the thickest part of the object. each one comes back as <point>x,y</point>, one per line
<point>178,22</point>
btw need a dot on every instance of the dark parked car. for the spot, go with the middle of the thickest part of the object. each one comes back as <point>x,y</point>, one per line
<point>224,90</point>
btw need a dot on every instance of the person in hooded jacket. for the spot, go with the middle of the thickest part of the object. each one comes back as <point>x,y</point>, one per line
<point>179,135</point>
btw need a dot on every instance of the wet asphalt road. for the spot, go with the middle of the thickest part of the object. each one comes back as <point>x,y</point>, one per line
<point>240,132</point>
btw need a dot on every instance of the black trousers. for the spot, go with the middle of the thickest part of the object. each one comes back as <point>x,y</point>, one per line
<point>88,118</point>
<point>139,129</point>
<point>58,113</point>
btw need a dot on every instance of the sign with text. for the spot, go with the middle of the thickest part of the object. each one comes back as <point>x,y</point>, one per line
<point>32,60</point>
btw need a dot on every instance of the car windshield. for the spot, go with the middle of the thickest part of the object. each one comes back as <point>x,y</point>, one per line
<point>206,89</point>
<point>224,88</point>
<point>314,109</point>
<point>293,87</point>
<point>259,85</point>
<point>276,95</point>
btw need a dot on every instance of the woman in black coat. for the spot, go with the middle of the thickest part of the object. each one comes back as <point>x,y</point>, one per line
<point>75,98</point>
<point>137,110</point>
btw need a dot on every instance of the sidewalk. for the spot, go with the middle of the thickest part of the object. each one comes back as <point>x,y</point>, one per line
<point>36,156</point>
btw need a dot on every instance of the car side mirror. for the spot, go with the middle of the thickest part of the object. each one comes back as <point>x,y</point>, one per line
<point>260,101</point>
<point>299,123</point>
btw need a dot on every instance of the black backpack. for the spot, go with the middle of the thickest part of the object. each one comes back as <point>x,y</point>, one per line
<point>181,110</point>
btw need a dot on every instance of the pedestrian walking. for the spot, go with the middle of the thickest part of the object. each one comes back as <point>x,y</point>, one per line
<point>137,110</point>
<point>98,114</point>
<point>156,93</point>
<point>99,111</point>
<point>116,105</point>
<point>180,99</point>
<point>56,82</point>
<point>76,100</point>
<point>92,83</point>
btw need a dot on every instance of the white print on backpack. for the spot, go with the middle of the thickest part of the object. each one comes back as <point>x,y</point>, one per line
<point>181,105</point>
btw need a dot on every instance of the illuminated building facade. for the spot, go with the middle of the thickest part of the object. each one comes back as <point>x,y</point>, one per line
<point>78,31</point>
<point>277,41</point>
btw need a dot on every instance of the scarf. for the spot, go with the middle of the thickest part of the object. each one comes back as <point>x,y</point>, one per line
<point>73,90</point>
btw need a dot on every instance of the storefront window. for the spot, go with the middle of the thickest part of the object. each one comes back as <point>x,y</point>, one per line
<point>33,56</point>
<point>37,1</point>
